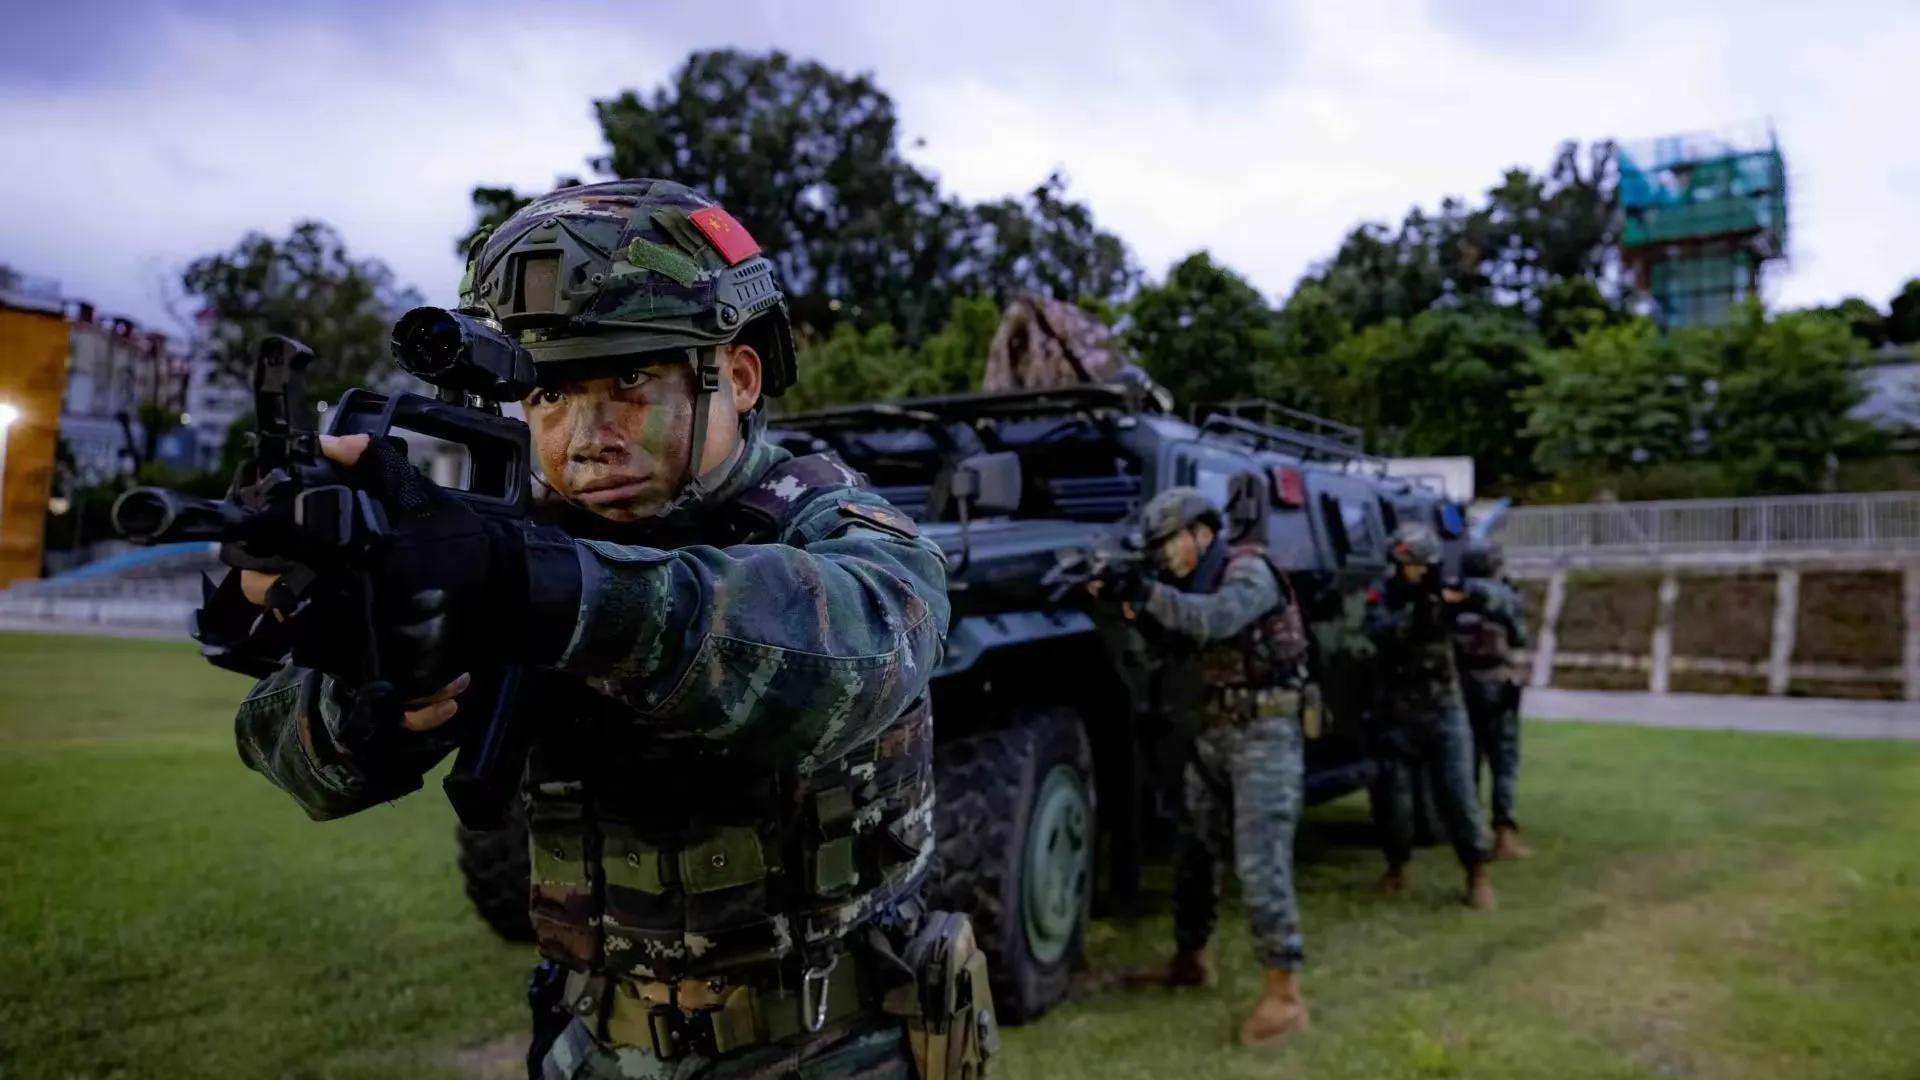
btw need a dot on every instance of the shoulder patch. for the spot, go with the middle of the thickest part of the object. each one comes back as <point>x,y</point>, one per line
<point>768,506</point>
<point>883,517</point>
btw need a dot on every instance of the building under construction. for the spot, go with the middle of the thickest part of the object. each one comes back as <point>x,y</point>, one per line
<point>1701,215</point>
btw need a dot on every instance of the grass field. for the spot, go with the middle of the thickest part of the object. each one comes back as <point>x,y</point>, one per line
<point>1702,905</point>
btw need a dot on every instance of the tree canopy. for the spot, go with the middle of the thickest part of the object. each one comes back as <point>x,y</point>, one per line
<point>305,285</point>
<point>809,160</point>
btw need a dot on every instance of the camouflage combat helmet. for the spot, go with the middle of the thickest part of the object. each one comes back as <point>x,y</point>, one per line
<point>624,267</point>
<point>1175,509</point>
<point>1414,544</point>
<point>600,272</point>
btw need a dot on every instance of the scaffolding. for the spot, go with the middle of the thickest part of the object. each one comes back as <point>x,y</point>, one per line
<point>1700,216</point>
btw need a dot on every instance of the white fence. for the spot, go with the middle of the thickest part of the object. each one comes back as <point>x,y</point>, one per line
<point>1790,524</point>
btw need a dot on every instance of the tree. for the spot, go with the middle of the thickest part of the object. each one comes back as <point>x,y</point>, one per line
<point>1442,383</point>
<point>1205,333</point>
<point>1863,320</point>
<point>1903,314</point>
<point>1047,244</point>
<point>1620,397</point>
<point>853,365</point>
<point>306,286</point>
<point>1569,307</point>
<point>808,159</point>
<point>951,360</point>
<point>1530,232</point>
<point>850,366</point>
<point>1784,388</point>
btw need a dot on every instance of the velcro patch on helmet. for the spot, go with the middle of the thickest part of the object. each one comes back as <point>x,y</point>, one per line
<point>663,260</point>
<point>730,238</point>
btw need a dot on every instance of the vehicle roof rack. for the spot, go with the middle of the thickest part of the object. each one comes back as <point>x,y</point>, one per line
<point>1273,414</point>
<point>1308,437</point>
<point>989,405</point>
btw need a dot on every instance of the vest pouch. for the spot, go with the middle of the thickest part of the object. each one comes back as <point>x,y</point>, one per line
<point>948,1007</point>
<point>834,867</point>
<point>730,857</point>
<point>728,913</point>
<point>642,901</point>
<point>560,888</point>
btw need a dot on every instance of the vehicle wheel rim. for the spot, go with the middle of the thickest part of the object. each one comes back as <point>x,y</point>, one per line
<point>1058,863</point>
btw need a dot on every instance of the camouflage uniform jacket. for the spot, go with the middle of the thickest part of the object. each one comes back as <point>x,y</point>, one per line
<point>1251,642</point>
<point>734,738</point>
<point>1487,626</point>
<point>1413,643</point>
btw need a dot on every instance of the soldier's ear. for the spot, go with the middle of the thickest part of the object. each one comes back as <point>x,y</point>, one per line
<point>741,371</point>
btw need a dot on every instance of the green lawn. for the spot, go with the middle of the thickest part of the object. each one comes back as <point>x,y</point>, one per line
<point>1705,905</point>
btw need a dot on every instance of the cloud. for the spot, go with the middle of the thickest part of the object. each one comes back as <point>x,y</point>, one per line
<point>143,134</point>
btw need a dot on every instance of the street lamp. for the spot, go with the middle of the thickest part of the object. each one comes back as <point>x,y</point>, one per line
<point>8,414</point>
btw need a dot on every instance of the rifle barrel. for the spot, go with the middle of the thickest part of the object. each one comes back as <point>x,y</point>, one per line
<point>151,515</point>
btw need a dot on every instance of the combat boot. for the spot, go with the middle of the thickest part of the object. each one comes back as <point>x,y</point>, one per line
<point>1189,967</point>
<point>1280,1012</point>
<point>1507,843</point>
<point>1394,881</point>
<point>1479,888</point>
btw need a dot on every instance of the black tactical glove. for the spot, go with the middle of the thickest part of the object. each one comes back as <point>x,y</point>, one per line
<point>1121,583</point>
<point>452,589</point>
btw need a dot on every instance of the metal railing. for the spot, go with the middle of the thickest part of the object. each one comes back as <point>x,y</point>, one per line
<point>1797,523</point>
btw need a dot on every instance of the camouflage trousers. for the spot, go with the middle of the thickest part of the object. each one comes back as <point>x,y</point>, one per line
<point>1242,785</point>
<point>1439,741</point>
<point>1493,705</point>
<point>872,1048</point>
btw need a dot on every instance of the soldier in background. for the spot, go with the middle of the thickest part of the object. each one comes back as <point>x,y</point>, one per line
<point>1424,721</point>
<point>1243,781</point>
<point>1489,622</point>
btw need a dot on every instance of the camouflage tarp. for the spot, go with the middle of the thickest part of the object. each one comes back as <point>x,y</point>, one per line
<point>1045,343</point>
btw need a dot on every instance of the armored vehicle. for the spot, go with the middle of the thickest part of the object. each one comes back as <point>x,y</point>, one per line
<point>1054,720</point>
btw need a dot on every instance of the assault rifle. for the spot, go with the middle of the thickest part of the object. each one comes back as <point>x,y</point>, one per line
<point>1111,559</point>
<point>290,512</point>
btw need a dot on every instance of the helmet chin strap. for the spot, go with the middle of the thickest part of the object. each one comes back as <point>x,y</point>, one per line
<point>706,383</point>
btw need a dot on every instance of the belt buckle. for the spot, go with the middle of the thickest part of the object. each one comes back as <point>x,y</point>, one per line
<point>674,1032</point>
<point>665,1031</point>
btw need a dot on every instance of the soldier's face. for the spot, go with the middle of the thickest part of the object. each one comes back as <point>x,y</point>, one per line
<point>1413,573</point>
<point>619,445</point>
<point>1180,553</point>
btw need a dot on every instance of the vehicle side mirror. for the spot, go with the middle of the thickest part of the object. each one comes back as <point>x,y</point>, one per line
<point>989,483</point>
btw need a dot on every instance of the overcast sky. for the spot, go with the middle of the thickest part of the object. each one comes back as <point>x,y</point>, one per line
<point>140,134</point>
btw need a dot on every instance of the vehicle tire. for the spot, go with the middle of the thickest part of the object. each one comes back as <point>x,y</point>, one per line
<point>495,867</point>
<point>1017,829</point>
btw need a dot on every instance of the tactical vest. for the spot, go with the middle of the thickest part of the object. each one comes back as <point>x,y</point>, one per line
<point>1261,670</point>
<point>1480,642</point>
<point>657,863</point>
<point>1419,669</point>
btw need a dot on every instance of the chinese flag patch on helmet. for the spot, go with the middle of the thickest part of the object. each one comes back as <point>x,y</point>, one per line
<point>730,238</point>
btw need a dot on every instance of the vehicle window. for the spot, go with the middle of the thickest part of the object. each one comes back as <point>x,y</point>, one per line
<point>1212,473</point>
<point>1214,482</point>
<point>1336,523</point>
<point>1358,526</point>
